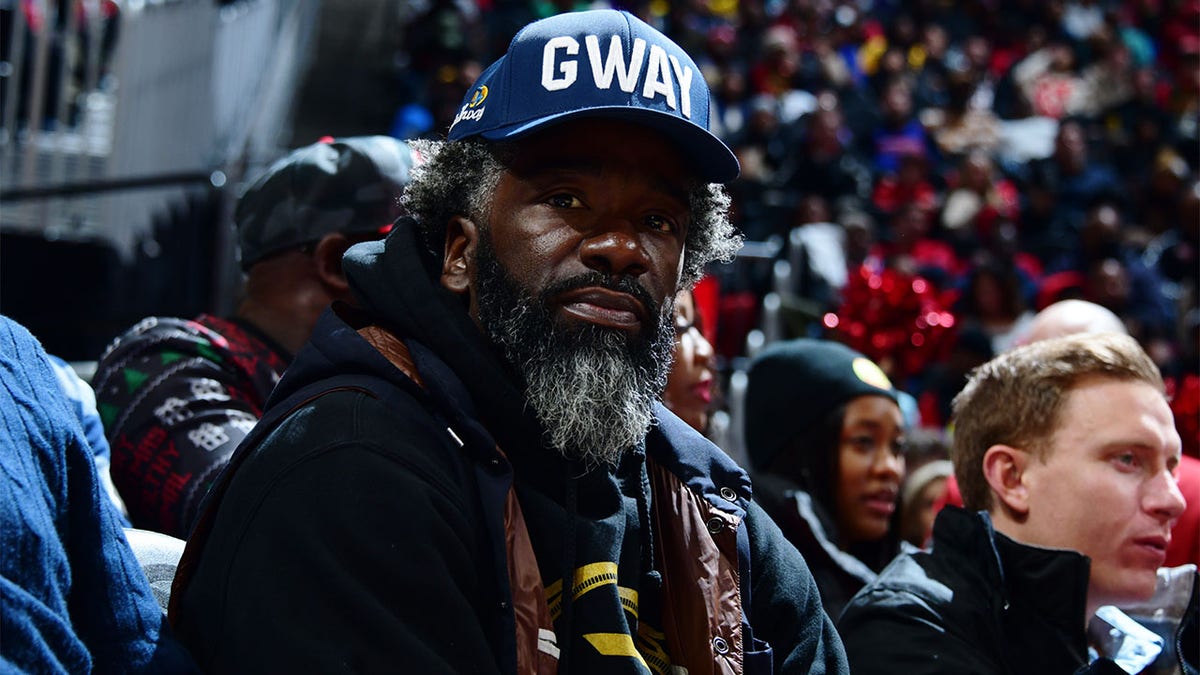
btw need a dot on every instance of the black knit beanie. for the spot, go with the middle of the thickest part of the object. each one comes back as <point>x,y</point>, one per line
<point>794,384</point>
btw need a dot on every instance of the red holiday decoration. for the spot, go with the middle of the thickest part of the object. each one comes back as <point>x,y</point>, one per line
<point>1184,393</point>
<point>898,320</point>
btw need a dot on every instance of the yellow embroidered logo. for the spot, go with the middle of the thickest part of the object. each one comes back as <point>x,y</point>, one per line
<point>870,373</point>
<point>480,96</point>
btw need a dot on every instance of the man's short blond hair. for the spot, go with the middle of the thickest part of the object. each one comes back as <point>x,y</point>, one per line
<point>1016,398</point>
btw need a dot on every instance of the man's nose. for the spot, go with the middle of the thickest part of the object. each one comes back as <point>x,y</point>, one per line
<point>615,249</point>
<point>1164,498</point>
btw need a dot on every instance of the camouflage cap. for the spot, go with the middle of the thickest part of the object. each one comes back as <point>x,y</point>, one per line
<point>349,185</point>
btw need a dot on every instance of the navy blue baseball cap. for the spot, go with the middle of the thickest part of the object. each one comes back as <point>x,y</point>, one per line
<point>601,63</point>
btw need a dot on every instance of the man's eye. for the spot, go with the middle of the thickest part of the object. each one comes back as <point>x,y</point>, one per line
<point>1127,459</point>
<point>660,223</point>
<point>564,201</point>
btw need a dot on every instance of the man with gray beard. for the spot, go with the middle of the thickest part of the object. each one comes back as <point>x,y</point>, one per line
<point>593,388</point>
<point>469,471</point>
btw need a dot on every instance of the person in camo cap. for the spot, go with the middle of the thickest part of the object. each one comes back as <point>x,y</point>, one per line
<point>177,395</point>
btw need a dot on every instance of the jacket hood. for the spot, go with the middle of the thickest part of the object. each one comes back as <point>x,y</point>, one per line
<point>397,283</point>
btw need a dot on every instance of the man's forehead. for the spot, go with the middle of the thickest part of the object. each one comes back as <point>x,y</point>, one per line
<point>564,151</point>
<point>1115,412</point>
<point>564,167</point>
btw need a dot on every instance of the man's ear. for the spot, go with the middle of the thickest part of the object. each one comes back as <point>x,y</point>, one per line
<point>327,259</point>
<point>461,237</point>
<point>1004,470</point>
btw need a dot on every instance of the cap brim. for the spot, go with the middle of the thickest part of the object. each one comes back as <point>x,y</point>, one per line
<point>714,161</point>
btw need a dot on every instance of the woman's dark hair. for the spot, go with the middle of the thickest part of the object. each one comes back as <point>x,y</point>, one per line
<point>811,461</point>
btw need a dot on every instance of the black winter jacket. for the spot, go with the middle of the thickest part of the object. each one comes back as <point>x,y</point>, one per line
<point>372,529</point>
<point>978,602</point>
<point>839,574</point>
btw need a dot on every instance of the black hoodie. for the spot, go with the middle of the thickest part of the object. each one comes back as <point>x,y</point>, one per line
<point>361,531</point>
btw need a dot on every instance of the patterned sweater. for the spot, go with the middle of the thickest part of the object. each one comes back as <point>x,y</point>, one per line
<point>176,397</point>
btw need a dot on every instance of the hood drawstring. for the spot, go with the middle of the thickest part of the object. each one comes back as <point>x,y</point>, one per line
<point>568,574</point>
<point>651,578</point>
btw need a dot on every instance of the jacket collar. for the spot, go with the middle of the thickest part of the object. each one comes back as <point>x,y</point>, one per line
<point>683,451</point>
<point>1049,583</point>
<point>398,284</point>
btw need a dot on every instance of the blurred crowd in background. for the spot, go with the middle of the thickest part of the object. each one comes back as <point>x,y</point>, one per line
<point>919,178</point>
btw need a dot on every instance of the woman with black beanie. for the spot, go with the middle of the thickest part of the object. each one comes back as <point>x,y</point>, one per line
<point>824,433</point>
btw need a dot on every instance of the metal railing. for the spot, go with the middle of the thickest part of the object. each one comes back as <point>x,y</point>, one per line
<point>110,112</point>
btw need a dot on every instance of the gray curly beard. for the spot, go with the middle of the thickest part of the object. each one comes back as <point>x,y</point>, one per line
<point>592,388</point>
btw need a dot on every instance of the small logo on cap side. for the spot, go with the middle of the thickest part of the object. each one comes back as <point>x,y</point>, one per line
<point>870,373</point>
<point>472,110</point>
